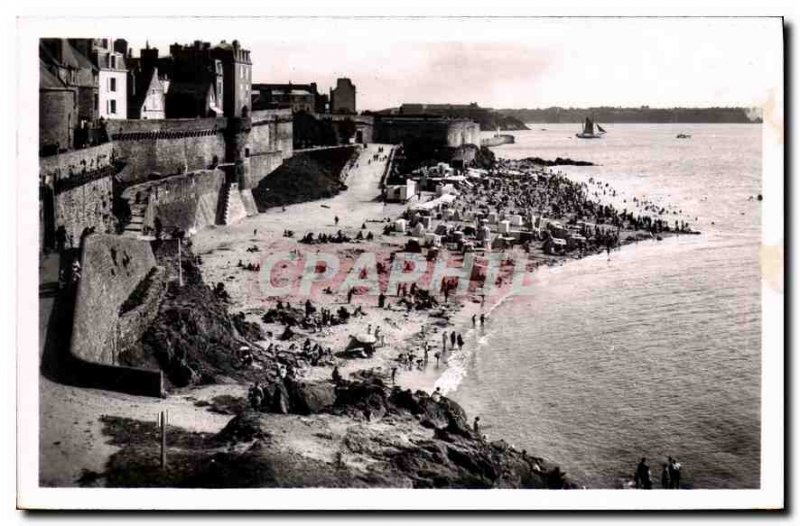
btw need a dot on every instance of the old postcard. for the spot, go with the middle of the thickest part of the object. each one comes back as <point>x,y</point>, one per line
<point>401,263</point>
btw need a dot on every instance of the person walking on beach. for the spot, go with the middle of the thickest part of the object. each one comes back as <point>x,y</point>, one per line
<point>394,374</point>
<point>642,477</point>
<point>476,425</point>
<point>674,473</point>
<point>459,341</point>
<point>436,355</point>
<point>453,340</point>
<point>483,319</point>
<point>444,341</point>
<point>336,220</point>
<point>473,320</point>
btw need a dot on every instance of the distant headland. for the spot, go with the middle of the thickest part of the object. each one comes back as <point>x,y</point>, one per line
<point>510,119</point>
<point>643,114</point>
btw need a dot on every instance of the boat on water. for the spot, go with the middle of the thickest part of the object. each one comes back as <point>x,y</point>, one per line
<point>588,130</point>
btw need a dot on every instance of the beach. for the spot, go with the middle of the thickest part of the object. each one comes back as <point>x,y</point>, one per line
<point>225,253</point>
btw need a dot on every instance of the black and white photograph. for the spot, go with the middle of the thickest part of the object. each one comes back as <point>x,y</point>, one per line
<point>322,258</point>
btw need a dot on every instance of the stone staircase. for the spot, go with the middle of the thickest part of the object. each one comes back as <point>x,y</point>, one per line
<point>232,207</point>
<point>134,228</point>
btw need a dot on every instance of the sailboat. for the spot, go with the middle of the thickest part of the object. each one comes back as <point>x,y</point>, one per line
<point>588,130</point>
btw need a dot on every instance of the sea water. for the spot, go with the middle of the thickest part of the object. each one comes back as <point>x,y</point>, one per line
<point>652,352</point>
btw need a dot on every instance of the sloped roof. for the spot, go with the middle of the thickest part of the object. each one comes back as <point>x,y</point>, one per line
<point>143,81</point>
<point>70,57</point>
<point>47,80</point>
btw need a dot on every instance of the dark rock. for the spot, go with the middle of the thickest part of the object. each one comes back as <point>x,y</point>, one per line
<point>308,399</point>
<point>243,428</point>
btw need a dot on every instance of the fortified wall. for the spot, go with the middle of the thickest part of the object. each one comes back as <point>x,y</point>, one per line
<point>77,193</point>
<point>112,268</point>
<point>166,147</point>
<point>77,188</point>
<point>437,131</point>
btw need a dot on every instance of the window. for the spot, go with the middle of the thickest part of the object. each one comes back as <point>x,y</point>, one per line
<point>112,84</point>
<point>113,109</point>
<point>113,62</point>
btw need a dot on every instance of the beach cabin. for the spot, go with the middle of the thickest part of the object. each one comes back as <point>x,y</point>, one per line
<point>504,227</point>
<point>400,193</point>
<point>400,226</point>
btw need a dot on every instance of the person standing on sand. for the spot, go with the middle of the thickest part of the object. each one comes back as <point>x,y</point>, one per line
<point>476,425</point>
<point>483,319</point>
<point>674,473</point>
<point>642,477</point>
<point>436,355</point>
<point>453,340</point>
<point>665,482</point>
<point>459,341</point>
<point>336,220</point>
<point>473,320</point>
<point>394,374</point>
<point>444,341</point>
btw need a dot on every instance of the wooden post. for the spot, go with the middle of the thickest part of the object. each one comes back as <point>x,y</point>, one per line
<point>180,266</point>
<point>163,440</point>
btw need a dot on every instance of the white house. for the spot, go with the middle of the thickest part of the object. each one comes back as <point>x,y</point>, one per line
<point>112,80</point>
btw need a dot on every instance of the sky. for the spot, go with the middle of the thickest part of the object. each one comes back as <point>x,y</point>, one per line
<point>509,62</point>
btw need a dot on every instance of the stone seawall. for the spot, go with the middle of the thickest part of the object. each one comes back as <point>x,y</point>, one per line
<point>188,202</point>
<point>268,144</point>
<point>134,322</point>
<point>112,268</point>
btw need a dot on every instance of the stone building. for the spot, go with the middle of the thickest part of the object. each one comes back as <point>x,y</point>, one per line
<point>73,70</point>
<point>343,97</point>
<point>58,112</point>
<point>297,97</point>
<point>237,78</point>
<point>205,80</point>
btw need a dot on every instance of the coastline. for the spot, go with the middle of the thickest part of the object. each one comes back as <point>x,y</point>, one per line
<point>221,247</point>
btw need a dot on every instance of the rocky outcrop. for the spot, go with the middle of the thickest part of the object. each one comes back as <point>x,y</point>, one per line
<point>559,161</point>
